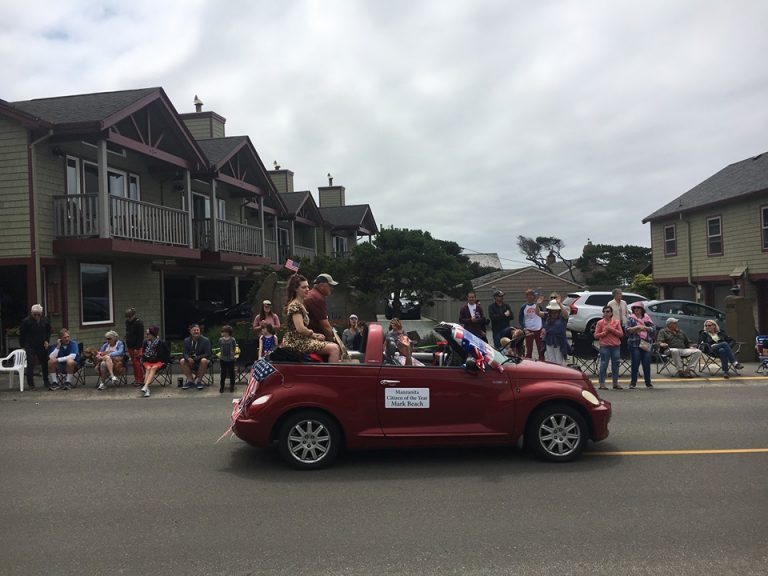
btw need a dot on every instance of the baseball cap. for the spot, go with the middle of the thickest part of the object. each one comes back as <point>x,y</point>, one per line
<point>268,302</point>
<point>327,278</point>
<point>498,293</point>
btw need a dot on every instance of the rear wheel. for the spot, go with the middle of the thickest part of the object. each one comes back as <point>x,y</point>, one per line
<point>556,433</point>
<point>591,329</point>
<point>309,440</point>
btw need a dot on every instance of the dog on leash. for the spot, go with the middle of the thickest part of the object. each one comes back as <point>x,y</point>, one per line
<point>92,354</point>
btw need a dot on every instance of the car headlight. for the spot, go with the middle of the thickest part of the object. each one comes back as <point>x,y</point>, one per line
<point>591,398</point>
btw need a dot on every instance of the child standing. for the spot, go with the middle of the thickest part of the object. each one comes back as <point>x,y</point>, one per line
<point>227,347</point>
<point>267,340</point>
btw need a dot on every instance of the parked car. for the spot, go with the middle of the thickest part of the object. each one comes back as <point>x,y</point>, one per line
<point>586,308</point>
<point>238,313</point>
<point>690,315</point>
<point>409,309</point>
<point>314,410</point>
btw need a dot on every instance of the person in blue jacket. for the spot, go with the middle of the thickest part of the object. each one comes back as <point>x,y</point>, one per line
<point>63,358</point>
<point>110,353</point>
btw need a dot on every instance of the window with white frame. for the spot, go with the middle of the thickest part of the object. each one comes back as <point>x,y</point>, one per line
<point>119,183</point>
<point>339,245</point>
<point>96,294</point>
<point>764,222</point>
<point>714,236</point>
<point>670,240</point>
<point>221,209</point>
<point>73,175</point>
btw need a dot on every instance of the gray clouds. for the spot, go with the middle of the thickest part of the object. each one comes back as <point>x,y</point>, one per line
<point>475,120</point>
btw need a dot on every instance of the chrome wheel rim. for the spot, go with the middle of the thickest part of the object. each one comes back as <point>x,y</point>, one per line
<point>559,434</point>
<point>309,441</point>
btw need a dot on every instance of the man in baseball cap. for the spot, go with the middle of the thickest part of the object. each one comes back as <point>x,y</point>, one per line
<point>316,306</point>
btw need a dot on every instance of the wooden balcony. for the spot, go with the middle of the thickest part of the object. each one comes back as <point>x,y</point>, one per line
<point>233,237</point>
<point>76,216</point>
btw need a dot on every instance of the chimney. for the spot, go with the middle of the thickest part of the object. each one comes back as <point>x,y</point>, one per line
<point>330,179</point>
<point>204,125</point>
<point>281,178</point>
<point>551,259</point>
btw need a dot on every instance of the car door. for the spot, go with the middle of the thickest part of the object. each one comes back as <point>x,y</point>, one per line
<point>435,401</point>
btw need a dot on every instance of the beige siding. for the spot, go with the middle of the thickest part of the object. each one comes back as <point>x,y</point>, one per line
<point>50,175</point>
<point>134,284</point>
<point>14,191</point>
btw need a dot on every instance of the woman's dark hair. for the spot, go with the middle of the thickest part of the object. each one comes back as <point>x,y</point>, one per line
<point>270,329</point>
<point>293,286</point>
<point>227,329</point>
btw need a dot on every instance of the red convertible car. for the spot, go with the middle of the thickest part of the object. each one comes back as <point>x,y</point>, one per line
<point>469,394</point>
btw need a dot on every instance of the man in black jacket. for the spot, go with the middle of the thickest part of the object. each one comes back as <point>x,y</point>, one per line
<point>34,336</point>
<point>134,340</point>
<point>500,315</point>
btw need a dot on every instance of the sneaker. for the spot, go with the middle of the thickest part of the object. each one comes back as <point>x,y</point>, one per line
<point>200,386</point>
<point>101,386</point>
<point>617,387</point>
<point>649,385</point>
<point>145,392</point>
<point>221,389</point>
<point>187,385</point>
<point>113,378</point>
<point>67,386</point>
<point>726,375</point>
<point>738,365</point>
<point>55,386</point>
<point>633,386</point>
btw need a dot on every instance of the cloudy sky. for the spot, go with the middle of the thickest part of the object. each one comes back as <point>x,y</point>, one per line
<point>477,120</point>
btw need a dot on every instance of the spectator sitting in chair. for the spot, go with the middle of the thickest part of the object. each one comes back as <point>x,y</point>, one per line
<point>716,342</point>
<point>63,358</point>
<point>195,359</point>
<point>674,341</point>
<point>154,356</point>
<point>110,354</point>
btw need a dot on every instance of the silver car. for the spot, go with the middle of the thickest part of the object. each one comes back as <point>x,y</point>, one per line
<point>586,308</point>
<point>690,315</point>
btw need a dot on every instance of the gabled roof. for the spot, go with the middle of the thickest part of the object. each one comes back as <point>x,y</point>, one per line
<point>749,176</point>
<point>125,117</point>
<point>219,150</point>
<point>296,202</point>
<point>25,118</point>
<point>82,108</point>
<point>501,274</point>
<point>356,217</point>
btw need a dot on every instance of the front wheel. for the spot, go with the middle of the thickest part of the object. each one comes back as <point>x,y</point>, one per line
<point>556,433</point>
<point>309,440</point>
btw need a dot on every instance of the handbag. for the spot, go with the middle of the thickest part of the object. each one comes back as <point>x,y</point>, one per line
<point>645,345</point>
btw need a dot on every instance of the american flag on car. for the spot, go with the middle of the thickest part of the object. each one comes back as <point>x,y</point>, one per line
<point>260,371</point>
<point>483,353</point>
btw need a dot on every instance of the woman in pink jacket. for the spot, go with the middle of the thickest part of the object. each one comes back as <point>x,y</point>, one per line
<point>608,333</point>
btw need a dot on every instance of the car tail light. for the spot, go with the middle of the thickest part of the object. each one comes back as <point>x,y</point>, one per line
<point>572,309</point>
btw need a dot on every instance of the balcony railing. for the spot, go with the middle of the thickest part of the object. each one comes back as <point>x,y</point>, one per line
<point>233,237</point>
<point>77,216</point>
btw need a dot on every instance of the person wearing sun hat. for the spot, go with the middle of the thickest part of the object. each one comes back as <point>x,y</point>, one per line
<point>640,329</point>
<point>268,315</point>
<point>553,332</point>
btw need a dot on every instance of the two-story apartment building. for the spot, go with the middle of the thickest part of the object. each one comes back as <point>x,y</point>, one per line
<point>714,238</point>
<point>114,199</point>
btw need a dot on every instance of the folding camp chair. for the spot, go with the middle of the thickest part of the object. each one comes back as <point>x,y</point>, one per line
<point>761,347</point>
<point>164,376</point>
<point>711,362</point>
<point>584,356</point>
<point>664,361</point>
<point>249,350</point>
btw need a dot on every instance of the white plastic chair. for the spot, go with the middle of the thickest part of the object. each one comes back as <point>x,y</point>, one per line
<point>18,360</point>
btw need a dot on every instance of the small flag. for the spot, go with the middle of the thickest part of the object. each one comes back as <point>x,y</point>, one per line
<point>260,371</point>
<point>292,265</point>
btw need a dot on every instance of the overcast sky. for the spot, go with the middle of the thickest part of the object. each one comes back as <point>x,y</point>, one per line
<point>477,120</point>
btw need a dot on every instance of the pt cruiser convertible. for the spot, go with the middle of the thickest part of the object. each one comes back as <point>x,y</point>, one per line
<point>469,394</point>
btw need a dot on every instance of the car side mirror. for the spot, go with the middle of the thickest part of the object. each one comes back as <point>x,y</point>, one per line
<point>470,365</point>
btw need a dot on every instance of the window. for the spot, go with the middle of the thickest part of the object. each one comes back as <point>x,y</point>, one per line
<point>73,171</point>
<point>714,236</point>
<point>764,222</point>
<point>221,209</point>
<point>339,245</point>
<point>670,241</point>
<point>119,183</point>
<point>95,294</point>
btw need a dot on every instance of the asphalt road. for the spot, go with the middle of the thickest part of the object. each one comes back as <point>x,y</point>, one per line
<point>113,484</point>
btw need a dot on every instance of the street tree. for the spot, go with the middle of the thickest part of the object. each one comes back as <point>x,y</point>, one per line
<point>540,250</point>
<point>410,263</point>
<point>608,266</point>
